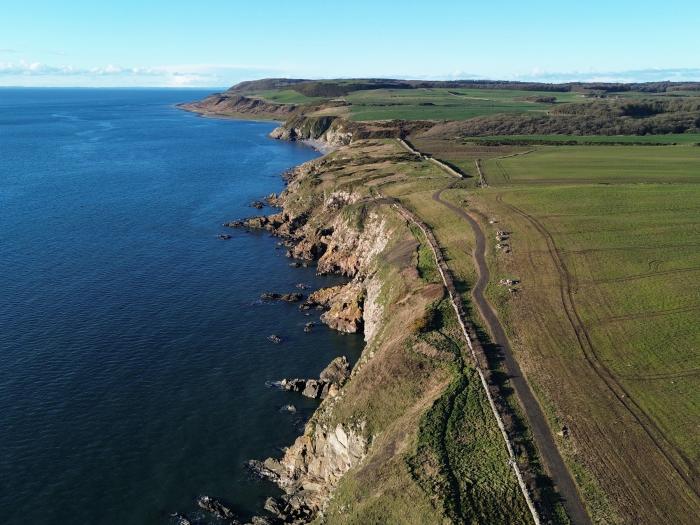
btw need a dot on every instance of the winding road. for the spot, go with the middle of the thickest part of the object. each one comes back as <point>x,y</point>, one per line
<point>537,422</point>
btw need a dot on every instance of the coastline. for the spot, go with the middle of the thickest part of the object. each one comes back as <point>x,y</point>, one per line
<point>319,145</point>
<point>353,231</point>
<point>325,217</point>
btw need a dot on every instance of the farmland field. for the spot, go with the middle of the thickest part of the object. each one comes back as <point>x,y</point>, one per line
<point>670,138</point>
<point>283,96</point>
<point>447,104</point>
<point>598,164</point>
<point>606,242</point>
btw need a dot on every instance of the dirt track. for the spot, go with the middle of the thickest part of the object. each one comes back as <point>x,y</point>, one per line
<point>554,464</point>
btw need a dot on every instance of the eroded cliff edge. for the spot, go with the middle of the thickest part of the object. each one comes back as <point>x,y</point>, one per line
<point>350,234</point>
<point>397,441</point>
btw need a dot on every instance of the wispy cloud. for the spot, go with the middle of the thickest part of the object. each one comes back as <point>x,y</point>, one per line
<point>634,75</point>
<point>184,75</point>
<point>23,72</point>
<point>39,69</point>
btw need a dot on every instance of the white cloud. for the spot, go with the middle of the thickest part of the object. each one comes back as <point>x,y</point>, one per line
<point>634,75</point>
<point>23,72</point>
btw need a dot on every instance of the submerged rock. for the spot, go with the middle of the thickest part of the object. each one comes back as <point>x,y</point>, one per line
<point>224,236</point>
<point>179,519</point>
<point>217,508</point>
<point>293,297</point>
<point>274,338</point>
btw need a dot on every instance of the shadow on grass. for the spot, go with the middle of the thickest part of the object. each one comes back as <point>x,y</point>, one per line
<point>547,499</point>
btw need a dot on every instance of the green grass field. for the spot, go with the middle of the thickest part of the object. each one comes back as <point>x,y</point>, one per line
<point>283,96</point>
<point>598,164</point>
<point>671,138</point>
<point>624,220</point>
<point>445,104</point>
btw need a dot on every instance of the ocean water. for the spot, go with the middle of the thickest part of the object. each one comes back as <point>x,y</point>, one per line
<point>133,345</point>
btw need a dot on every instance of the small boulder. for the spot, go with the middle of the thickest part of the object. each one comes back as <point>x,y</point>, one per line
<point>313,389</point>
<point>337,371</point>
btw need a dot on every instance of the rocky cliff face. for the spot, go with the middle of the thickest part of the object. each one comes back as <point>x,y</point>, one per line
<point>336,131</point>
<point>332,131</point>
<point>311,468</point>
<point>231,104</point>
<point>344,236</point>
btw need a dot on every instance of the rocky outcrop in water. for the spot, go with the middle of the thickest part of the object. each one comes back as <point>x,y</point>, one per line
<point>344,306</point>
<point>328,384</point>
<point>217,508</point>
<point>292,297</point>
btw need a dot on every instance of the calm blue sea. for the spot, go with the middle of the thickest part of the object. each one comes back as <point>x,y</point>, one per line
<point>133,346</point>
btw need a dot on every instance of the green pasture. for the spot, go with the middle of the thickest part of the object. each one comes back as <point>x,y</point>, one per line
<point>445,104</point>
<point>597,164</point>
<point>671,138</point>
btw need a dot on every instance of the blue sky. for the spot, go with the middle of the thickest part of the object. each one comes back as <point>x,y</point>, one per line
<point>216,43</point>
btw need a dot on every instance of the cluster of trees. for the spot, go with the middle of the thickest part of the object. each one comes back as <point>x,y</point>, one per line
<point>631,108</point>
<point>639,117</point>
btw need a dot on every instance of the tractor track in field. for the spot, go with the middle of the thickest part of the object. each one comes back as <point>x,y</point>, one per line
<point>646,315</point>
<point>643,275</point>
<point>690,476</point>
<point>668,375</point>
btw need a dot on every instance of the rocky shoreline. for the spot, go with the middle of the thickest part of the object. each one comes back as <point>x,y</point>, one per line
<point>319,233</point>
<point>326,221</point>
